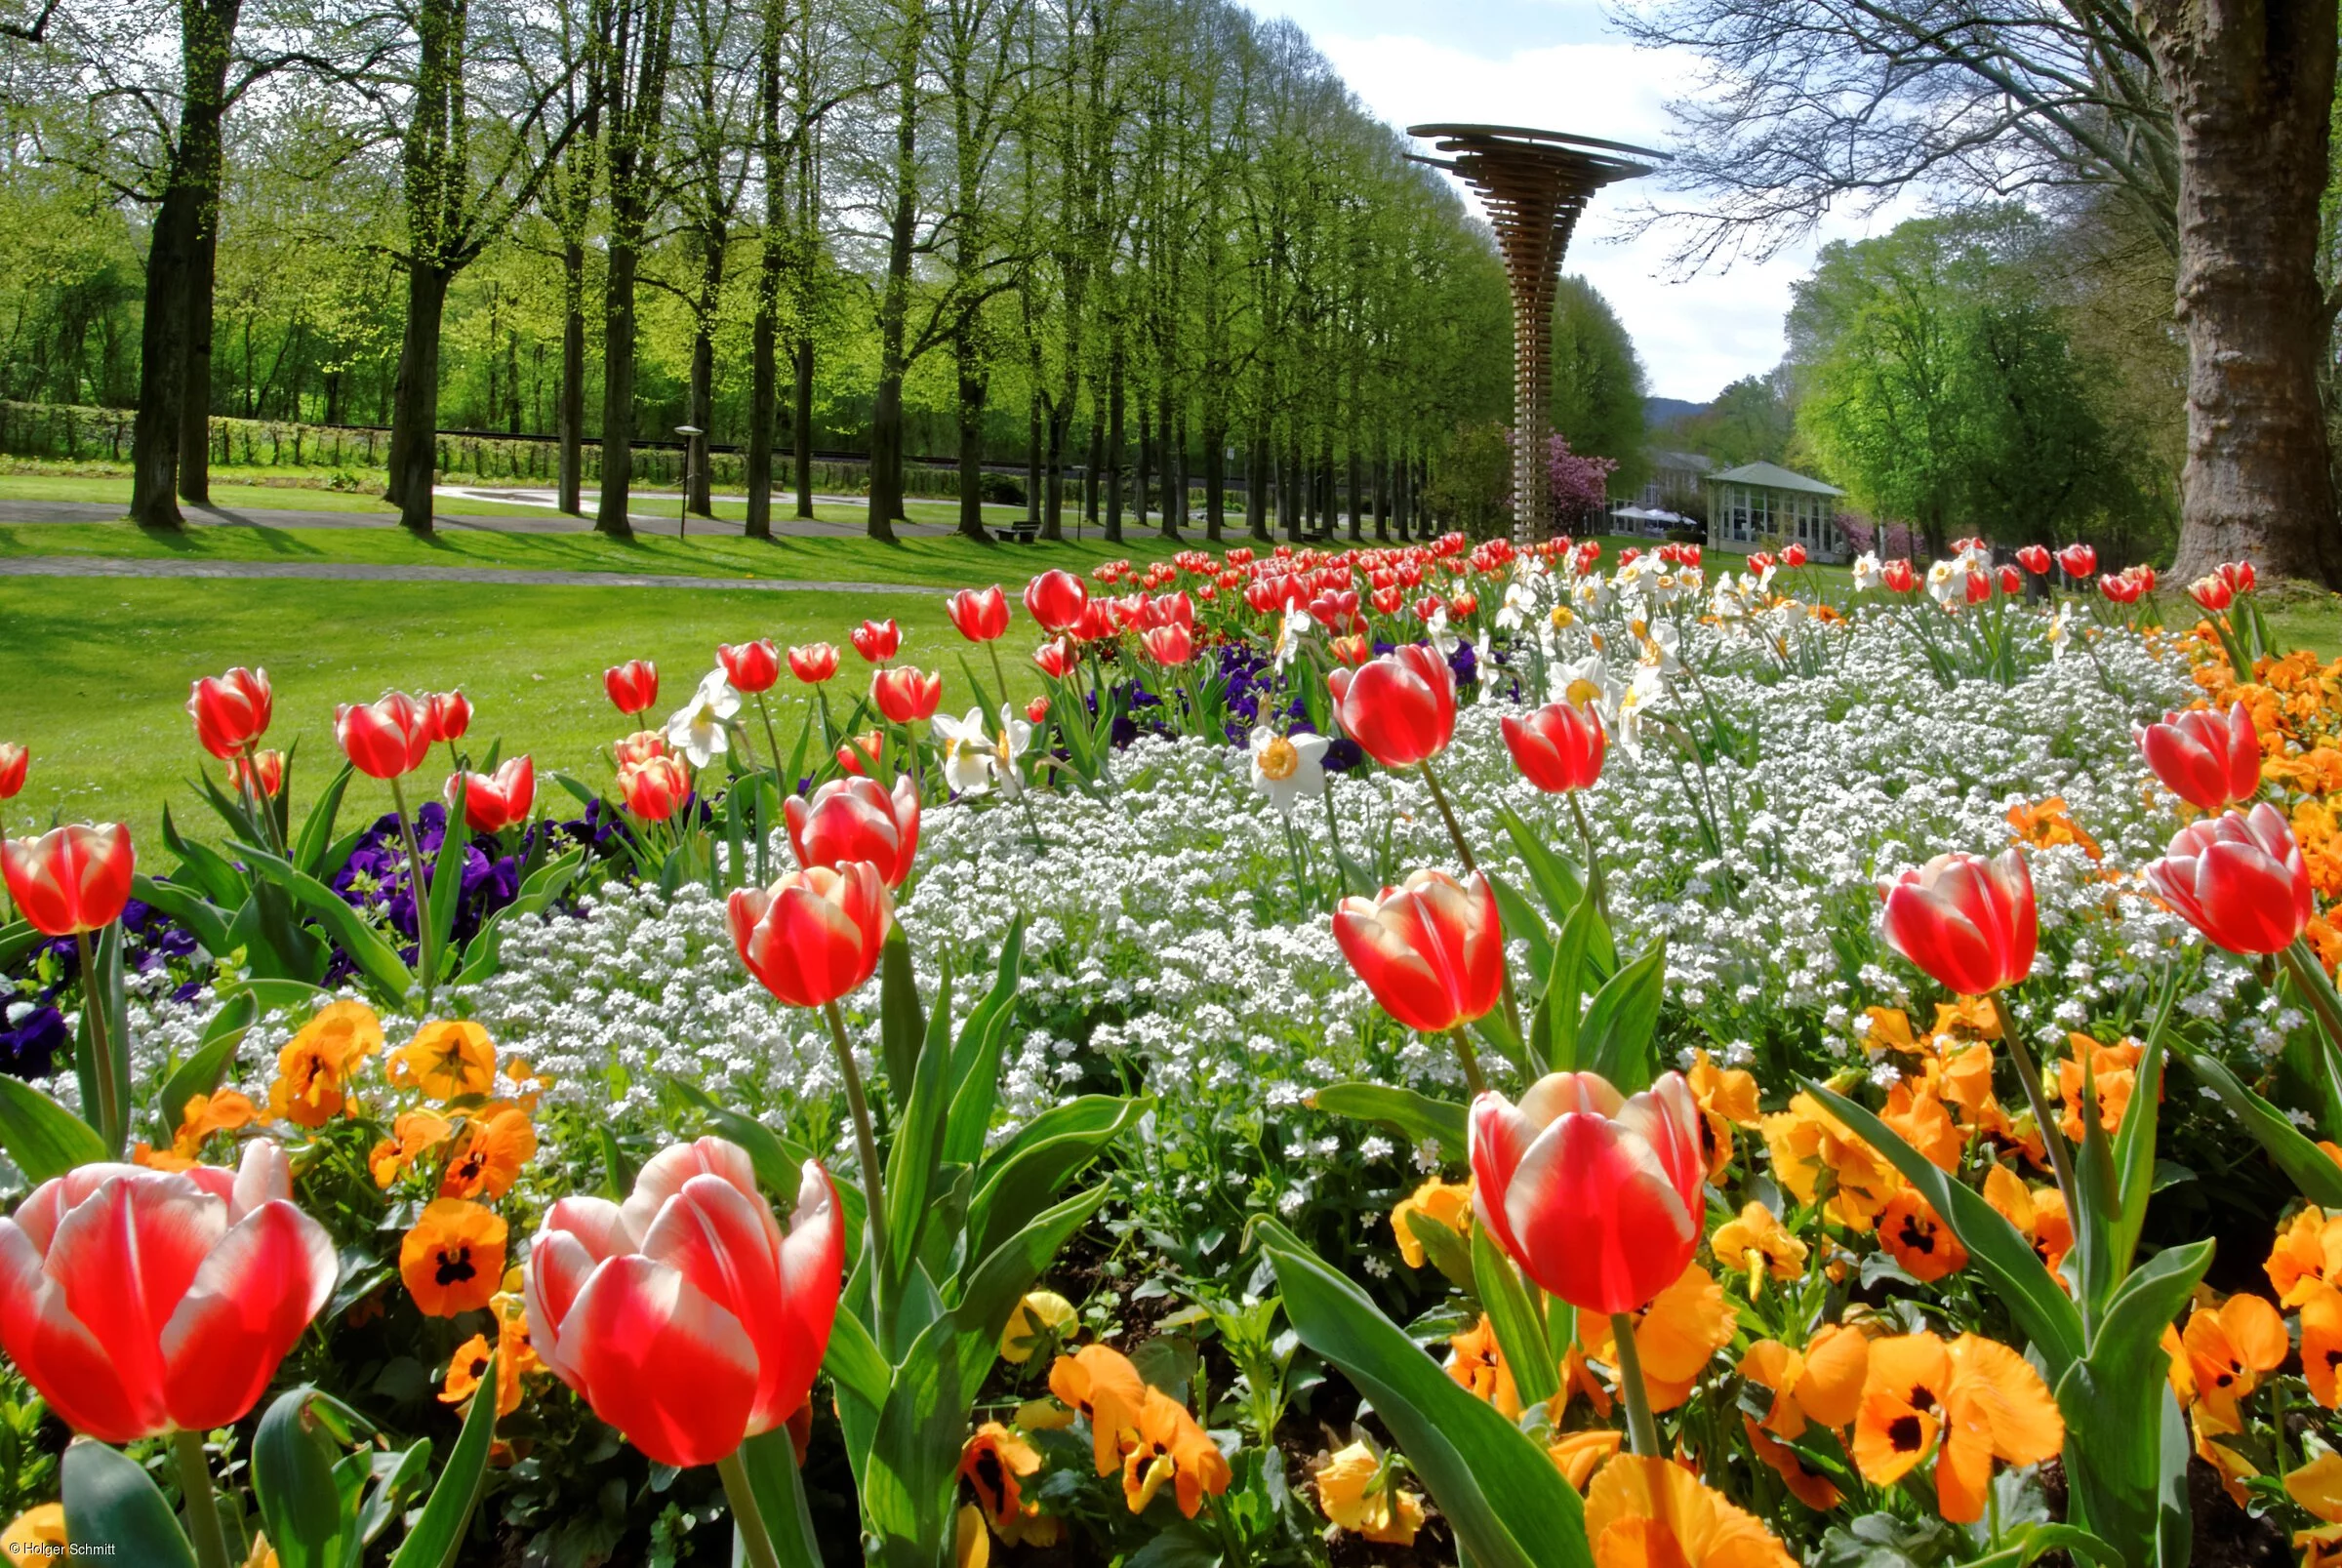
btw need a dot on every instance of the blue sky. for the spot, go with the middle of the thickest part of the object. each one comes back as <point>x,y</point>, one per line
<point>1561,65</point>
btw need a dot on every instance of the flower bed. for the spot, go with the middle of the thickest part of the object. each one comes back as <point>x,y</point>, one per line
<point>1170,1102</point>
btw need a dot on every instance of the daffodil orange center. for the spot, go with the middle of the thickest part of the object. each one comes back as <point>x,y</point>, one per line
<point>1280,758</point>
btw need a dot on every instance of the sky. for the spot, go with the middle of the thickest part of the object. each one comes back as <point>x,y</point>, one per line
<point>1561,65</point>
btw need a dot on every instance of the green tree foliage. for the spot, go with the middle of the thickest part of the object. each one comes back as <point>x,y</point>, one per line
<point>1598,384</point>
<point>1751,420</point>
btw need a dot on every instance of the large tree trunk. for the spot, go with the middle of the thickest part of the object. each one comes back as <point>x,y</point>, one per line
<point>700,406</point>
<point>195,407</point>
<point>1115,439</point>
<point>972,392</point>
<point>1032,461</point>
<point>415,416</point>
<point>1215,480</point>
<point>162,364</point>
<point>569,420</point>
<point>2251,87</point>
<point>618,394</point>
<point>1053,510</point>
<point>1256,486</point>
<point>1175,473</point>
<point>801,425</point>
<point>764,390</point>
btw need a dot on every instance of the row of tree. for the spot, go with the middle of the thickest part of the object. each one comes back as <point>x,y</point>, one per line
<point>1130,239</point>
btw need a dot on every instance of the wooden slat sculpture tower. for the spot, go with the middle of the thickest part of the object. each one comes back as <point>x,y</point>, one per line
<point>1534,184</point>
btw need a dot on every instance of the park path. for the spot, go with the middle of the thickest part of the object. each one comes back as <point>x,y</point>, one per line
<point>100,566</point>
<point>455,496</point>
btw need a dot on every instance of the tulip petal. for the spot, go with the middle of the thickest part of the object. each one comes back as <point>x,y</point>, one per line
<point>61,1358</point>
<point>125,1256</point>
<point>665,1174</point>
<point>254,1293</point>
<point>662,1363</point>
<point>728,1245</point>
<point>1599,1219</point>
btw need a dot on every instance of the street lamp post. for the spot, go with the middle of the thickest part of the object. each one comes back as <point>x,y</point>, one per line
<point>690,435</point>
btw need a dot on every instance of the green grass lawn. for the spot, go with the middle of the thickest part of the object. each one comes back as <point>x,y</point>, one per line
<point>99,672</point>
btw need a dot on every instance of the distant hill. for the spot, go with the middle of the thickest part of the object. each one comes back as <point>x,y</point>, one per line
<point>1664,410</point>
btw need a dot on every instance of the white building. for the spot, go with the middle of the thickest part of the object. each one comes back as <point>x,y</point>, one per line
<point>1762,505</point>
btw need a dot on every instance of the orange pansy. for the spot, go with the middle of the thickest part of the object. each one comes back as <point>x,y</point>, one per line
<point>995,1463</point>
<point>1477,1362</point>
<point>1920,1240</point>
<point>1649,1512</point>
<point>453,1259</point>
<point>2228,1348</point>
<point>1806,1484</point>
<point>1170,1448</point>
<point>1100,1383</point>
<point>496,1143</point>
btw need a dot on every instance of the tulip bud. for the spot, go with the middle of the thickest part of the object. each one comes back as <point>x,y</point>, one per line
<point>1597,1196</point>
<point>1559,747</point>
<point>1793,555</point>
<point>445,715</point>
<point>262,772</point>
<point>979,614</point>
<point>14,760</point>
<point>652,789</point>
<point>1037,711</point>
<point>1056,657</point>
<point>1169,646</point>
<point>2211,760</point>
<point>1899,576</point>
<point>2239,879</point>
<point>814,662</point>
<point>2212,593</point>
<point>231,711</point>
<point>1967,921</point>
<point>816,935</point>
<point>750,666</point>
<point>852,820</point>
<point>1401,709</point>
<point>2078,561</point>
<point>2012,581</point>
<point>638,747</point>
<point>1430,950</point>
<point>905,695</point>
<point>70,879</point>
<point>633,686</point>
<point>1055,599</point>
<point>492,803</point>
<point>385,739</point>
<point>860,749</point>
<point>2034,558</point>
<point>877,640</point>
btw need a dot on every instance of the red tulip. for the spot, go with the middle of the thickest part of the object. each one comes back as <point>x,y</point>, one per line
<point>2212,593</point>
<point>494,802</point>
<point>979,614</point>
<point>1097,622</point>
<point>2121,590</point>
<point>1352,651</point>
<point>2239,879</point>
<point>1170,646</point>
<point>813,663</point>
<point>877,640</point>
<point>1056,657</point>
<point>1559,747</point>
<point>1597,1196</point>
<point>637,749</point>
<point>1037,711</point>
<point>262,772</point>
<point>750,666</point>
<point>1173,609</point>
<point>1055,599</point>
<point>385,739</point>
<point>1793,555</point>
<point>652,789</point>
<point>2211,760</point>
<point>140,1301</point>
<point>1128,611</point>
<point>815,935</point>
<point>2237,574</point>
<point>1898,575</point>
<point>2078,561</point>
<point>2034,558</point>
<point>905,695</point>
<point>852,820</point>
<point>14,759</point>
<point>70,879</point>
<point>445,715</point>
<point>859,749</point>
<point>633,686</point>
<point>685,1316</point>
<point>1401,709</point>
<point>1980,588</point>
<point>1387,601</point>
<point>1430,950</point>
<point>231,711</point>
<point>1967,921</point>
<point>2012,581</point>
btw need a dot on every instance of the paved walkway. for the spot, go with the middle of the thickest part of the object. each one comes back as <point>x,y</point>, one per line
<point>361,572</point>
<point>455,496</point>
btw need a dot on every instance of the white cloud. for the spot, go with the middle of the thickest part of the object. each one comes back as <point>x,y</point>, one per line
<point>1695,334</point>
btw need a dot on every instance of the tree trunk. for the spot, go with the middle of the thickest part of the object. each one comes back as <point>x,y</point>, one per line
<point>195,407</point>
<point>972,389</point>
<point>1053,510</point>
<point>415,417</point>
<point>1215,482</point>
<point>1091,473</point>
<point>1115,439</point>
<point>699,402</point>
<point>1402,483</point>
<point>802,425</point>
<point>1358,488</point>
<point>1382,489</point>
<point>1175,479</point>
<point>764,388</point>
<point>1256,486</point>
<point>2251,88</point>
<point>1032,461</point>
<point>569,420</point>
<point>618,394</point>
<point>162,364</point>
<point>1143,482</point>
<point>893,298</point>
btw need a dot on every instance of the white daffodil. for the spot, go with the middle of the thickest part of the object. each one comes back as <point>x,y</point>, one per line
<point>1287,767</point>
<point>1593,593</point>
<point>1015,736</point>
<point>1520,603</point>
<point>1730,600</point>
<point>1868,572</point>
<point>1635,709</point>
<point>1290,631</point>
<point>1661,642</point>
<point>1435,632</point>
<point>2059,633</point>
<point>699,727</point>
<point>1948,583</point>
<point>1587,683</point>
<point>967,751</point>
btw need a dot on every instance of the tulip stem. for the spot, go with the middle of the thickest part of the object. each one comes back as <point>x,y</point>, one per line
<point>2053,1136</point>
<point>1642,1431</point>
<point>748,1520</point>
<point>248,782</point>
<point>2308,979</point>
<point>424,958</point>
<point>110,1129</point>
<point>1473,1079</point>
<point>1593,859</point>
<point>873,1190</point>
<point>203,1510</point>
